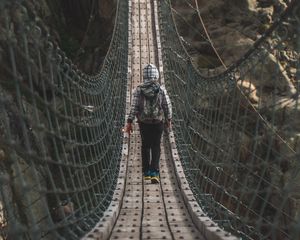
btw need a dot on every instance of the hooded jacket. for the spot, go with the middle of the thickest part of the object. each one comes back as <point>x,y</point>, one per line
<point>148,89</point>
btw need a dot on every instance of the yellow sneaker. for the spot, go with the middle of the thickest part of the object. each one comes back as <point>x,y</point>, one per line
<point>147,175</point>
<point>155,177</point>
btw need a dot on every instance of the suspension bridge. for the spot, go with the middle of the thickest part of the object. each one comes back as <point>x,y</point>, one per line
<point>229,167</point>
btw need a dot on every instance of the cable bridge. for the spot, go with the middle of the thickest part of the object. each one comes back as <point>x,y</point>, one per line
<point>229,167</point>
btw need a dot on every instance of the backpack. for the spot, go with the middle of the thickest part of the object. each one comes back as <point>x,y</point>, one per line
<point>150,104</point>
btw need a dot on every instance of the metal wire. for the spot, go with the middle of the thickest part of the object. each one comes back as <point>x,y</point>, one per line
<point>241,161</point>
<point>60,129</point>
<point>60,132</point>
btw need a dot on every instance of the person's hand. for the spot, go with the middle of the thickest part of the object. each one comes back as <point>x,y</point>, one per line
<point>168,124</point>
<point>128,128</point>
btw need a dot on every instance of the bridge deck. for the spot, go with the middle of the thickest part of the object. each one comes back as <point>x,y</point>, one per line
<point>150,211</point>
<point>145,210</point>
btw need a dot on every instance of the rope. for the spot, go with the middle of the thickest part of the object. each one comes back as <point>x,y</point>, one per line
<point>207,35</point>
<point>230,152</point>
<point>60,129</point>
<point>225,67</point>
<point>60,145</point>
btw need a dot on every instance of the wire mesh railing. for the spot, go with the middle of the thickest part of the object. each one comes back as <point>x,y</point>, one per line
<point>237,132</point>
<point>60,141</point>
<point>60,129</point>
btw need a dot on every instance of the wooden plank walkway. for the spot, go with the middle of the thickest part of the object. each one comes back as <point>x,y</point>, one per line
<point>139,209</point>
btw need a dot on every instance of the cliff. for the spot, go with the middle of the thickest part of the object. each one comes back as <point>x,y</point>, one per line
<point>83,29</point>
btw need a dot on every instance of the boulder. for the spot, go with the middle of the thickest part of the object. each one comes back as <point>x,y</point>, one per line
<point>269,77</point>
<point>249,92</point>
<point>289,108</point>
<point>230,44</point>
<point>245,4</point>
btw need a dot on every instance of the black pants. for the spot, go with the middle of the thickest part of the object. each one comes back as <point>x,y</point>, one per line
<point>151,136</point>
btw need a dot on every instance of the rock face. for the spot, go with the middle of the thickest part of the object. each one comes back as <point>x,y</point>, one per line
<point>269,88</point>
<point>233,25</point>
<point>82,28</point>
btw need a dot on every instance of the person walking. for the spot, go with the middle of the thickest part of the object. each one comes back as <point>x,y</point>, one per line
<point>152,107</point>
